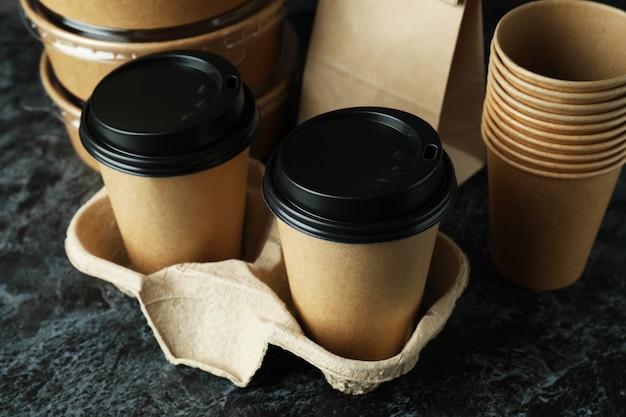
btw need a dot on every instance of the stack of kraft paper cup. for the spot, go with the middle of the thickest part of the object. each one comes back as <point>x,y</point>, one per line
<point>554,123</point>
<point>83,41</point>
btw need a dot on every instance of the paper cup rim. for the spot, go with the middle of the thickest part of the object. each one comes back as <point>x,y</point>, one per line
<point>541,107</point>
<point>539,155</point>
<point>551,154</point>
<point>541,115</point>
<point>545,172</point>
<point>547,163</point>
<point>562,128</point>
<point>597,141</point>
<point>550,82</point>
<point>565,97</point>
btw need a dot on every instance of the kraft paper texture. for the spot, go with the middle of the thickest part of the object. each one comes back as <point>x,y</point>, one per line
<point>425,57</point>
<point>220,317</point>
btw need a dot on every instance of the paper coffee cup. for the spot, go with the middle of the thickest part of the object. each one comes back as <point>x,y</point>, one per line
<point>503,144</point>
<point>612,117</point>
<point>512,159</point>
<point>554,127</point>
<point>171,132</point>
<point>585,146</point>
<point>543,228</point>
<point>252,41</point>
<point>560,111</point>
<point>582,141</point>
<point>564,45</point>
<point>537,155</point>
<point>138,14</point>
<point>547,155</point>
<point>565,97</point>
<point>359,194</point>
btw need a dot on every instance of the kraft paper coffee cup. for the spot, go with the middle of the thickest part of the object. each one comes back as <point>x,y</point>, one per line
<point>547,159</point>
<point>171,132</point>
<point>138,14</point>
<point>546,165</point>
<point>564,143</point>
<point>561,110</point>
<point>512,158</point>
<point>517,138</point>
<point>564,97</point>
<point>565,127</point>
<point>251,39</point>
<point>359,194</point>
<point>541,158</point>
<point>543,226</point>
<point>548,194</point>
<point>564,45</point>
<point>601,118</point>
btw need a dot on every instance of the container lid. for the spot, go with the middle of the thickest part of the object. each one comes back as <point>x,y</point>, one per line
<point>170,113</point>
<point>361,175</point>
<point>158,34</point>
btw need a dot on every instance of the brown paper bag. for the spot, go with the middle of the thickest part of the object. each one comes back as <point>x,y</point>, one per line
<point>425,57</point>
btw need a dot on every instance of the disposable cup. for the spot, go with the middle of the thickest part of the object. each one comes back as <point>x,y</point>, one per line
<point>564,45</point>
<point>565,143</point>
<point>554,127</point>
<point>511,159</point>
<point>565,97</point>
<point>171,132</point>
<point>541,106</point>
<point>551,116</point>
<point>550,159</point>
<point>537,155</point>
<point>251,39</point>
<point>543,227</point>
<point>342,323</point>
<point>357,234</point>
<point>138,14</point>
<point>502,143</point>
<point>66,108</point>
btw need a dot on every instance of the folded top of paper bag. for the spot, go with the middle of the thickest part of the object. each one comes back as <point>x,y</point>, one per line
<point>425,57</point>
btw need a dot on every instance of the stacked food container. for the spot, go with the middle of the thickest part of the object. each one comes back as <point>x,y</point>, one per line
<point>83,41</point>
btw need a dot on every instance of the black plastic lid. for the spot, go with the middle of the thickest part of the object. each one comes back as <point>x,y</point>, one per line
<point>170,113</point>
<point>361,175</point>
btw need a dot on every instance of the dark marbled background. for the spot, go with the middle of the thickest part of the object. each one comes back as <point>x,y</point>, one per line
<point>71,345</point>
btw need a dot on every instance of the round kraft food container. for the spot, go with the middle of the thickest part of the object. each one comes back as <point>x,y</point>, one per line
<point>66,107</point>
<point>138,14</point>
<point>250,37</point>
